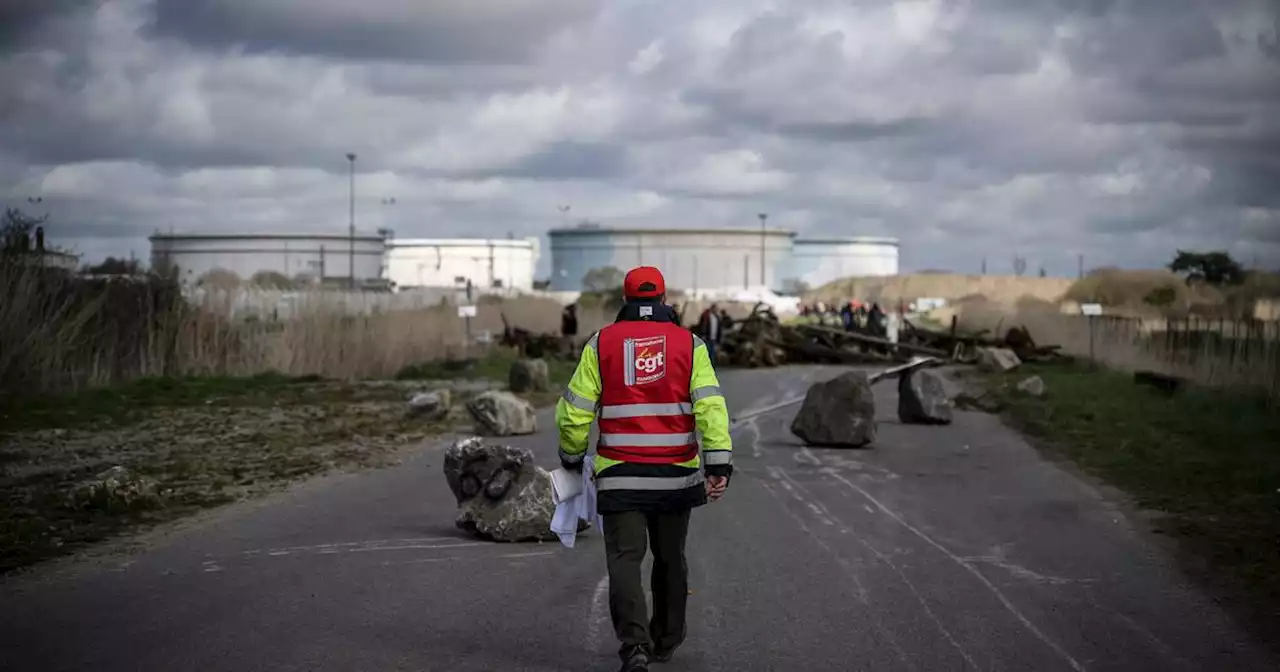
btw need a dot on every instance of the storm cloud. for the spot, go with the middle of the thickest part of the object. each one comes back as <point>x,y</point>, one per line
<point>970,129</point>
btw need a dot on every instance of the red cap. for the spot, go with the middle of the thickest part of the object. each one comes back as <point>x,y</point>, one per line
<point>644,282</point>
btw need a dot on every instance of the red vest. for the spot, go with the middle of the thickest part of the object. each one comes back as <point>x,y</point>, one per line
<point>646,414</point>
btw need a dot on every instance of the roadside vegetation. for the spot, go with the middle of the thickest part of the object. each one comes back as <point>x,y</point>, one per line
<point>174,446</point>
<point>1205,459</point>
<point>127,399</point>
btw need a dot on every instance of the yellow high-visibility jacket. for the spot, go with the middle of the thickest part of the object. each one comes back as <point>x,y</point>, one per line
<point>576,410</point>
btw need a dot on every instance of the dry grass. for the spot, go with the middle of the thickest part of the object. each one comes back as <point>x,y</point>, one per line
<point>892,289</point>
<point>62,333</point>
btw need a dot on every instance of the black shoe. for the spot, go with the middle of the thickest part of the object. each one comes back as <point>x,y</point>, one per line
<point>664,655</point>
<point>636,661</point>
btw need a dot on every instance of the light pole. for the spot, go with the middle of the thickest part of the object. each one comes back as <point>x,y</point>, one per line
<point>763,216</point>
<point>351,230</point>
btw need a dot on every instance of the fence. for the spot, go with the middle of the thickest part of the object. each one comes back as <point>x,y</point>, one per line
<point>1213,352</point>
<point>1216,352</point>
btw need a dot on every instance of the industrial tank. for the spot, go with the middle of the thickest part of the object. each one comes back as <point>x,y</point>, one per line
<point>499,263</point>
<point>817,261</point>
<point>690,259</point>
<point>294,255</point>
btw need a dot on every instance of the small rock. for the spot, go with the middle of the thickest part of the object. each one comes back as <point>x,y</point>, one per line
<point>430,406</point>
<point>1032,385</point>
<point>922,400</point>
<point>502,495</point>
<point>498,413</point>
<point>997,360</point>
<point>839,412</point>
<point>115,490</point>
<point>529,375</point>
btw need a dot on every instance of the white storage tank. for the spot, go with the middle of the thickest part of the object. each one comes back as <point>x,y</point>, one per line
<point>297,256</point>
<point>490,264</point>
<point>690,259</point>
<point>817,261</point>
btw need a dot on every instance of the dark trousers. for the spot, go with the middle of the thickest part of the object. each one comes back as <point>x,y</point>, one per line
<point>626,536</point>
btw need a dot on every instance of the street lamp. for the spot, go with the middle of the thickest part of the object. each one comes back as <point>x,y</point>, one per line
<point>763,216</point>
<point>351,252</point>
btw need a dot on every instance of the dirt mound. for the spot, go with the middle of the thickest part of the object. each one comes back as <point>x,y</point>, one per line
<point>950,286</point>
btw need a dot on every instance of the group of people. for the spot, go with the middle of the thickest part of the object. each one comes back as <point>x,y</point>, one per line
<point>711,326</point>
<point>852,315</point>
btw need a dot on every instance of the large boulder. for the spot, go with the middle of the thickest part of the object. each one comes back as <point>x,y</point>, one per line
<point>529,375</point>
<point>498,413</point>
<point>502,495</point>
<point>430,406</point>
<point>997,360</point>
<point>922,400</point>
<point>840,412</point>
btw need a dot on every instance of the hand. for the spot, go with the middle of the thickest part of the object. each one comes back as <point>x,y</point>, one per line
<point>716,486</point>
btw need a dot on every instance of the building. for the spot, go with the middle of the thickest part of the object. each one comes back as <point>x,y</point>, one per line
<point>490,264</point>
<point>303,256</point>
<point>30,249</point>
<point>817,261</point>
<point>694,260</point>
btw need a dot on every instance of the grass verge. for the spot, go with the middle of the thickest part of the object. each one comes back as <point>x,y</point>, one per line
<point>494,367</point>
<point>1206,460</point>
<point>195,443</point>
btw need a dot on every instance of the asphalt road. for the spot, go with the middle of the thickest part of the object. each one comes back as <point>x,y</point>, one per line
<point>944,548</point>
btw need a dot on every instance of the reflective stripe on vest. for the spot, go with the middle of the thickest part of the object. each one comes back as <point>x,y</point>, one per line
<point>646,412</point>
<point>604,482</point>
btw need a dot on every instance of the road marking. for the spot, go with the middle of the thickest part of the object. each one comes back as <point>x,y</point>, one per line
<point>860,589</point>
<point>1137,627</point>
<point>596,615</point>
<point>361,546</point>
<point>745,416</point>
<point>946,634</point>
<point>781,477</point>
<point>968,566</point>
<point>1022,572</point>
<point>755,429</point>
<point>449,558</point>
<point>405,547</point>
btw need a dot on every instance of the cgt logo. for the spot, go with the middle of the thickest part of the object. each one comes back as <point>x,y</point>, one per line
<point>648,360</point>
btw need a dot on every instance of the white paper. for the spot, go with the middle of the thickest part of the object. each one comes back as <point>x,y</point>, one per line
<point>581,506</point>
<point>565,485</point>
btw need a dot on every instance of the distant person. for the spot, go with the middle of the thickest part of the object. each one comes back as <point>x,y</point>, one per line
<point>875,320</point>
<point>846,315</point>
<point>650,387</point>
<point>725,322</point>
<point>569,325</point>
<point>709,329</point>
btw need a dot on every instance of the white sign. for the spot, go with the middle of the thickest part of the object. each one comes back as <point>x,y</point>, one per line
<point>466,311</point>
<point>1091,309</point>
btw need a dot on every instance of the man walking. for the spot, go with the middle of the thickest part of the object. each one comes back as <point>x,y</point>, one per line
<point>569,325</point>
<point>709,327</point>
<point>652,387</point>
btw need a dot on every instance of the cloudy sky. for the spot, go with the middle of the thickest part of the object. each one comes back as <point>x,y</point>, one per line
<point>1117,129</point>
